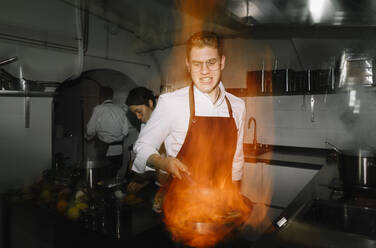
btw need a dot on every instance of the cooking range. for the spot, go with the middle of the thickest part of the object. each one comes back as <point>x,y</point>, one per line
<point>345,218</point>
<point>332,210</point>
<point>349,209</point>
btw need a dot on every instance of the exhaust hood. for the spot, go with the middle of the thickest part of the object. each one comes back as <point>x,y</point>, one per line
<point>160,24</point>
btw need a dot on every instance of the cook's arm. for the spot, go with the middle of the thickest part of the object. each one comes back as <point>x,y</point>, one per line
<point>238,163</point>
<point>150,139</point>
<point>125,127</point>
<point>91,125</point>
<point>169,164</point>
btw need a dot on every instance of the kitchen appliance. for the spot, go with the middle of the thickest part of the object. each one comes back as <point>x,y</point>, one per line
<point>347,210</point>
<point>338,217</point>
<point>356,69</point>
<point>351,219</point>
<point>358,168</point>
<point>94,172</point>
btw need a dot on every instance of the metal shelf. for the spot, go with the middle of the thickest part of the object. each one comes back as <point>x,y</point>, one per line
<point>27,93</point>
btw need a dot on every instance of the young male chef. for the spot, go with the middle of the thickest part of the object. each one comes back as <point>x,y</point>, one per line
<point>201,125</point>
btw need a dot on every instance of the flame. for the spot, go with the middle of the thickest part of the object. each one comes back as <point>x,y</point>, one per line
<point>200,216</point>
<point>258,187</point>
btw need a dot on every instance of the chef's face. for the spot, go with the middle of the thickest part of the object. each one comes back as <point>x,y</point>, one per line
<point>142,111</point>
<point>205,66</point>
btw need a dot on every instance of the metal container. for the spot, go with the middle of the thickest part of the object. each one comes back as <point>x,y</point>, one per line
<point>227,224</point>
<point>356,69</point>
<point>358,168</point>
<point>94,171</point>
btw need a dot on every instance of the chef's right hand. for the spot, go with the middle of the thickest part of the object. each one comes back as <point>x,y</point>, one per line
<point>175,167</point>
<point>169,164</point>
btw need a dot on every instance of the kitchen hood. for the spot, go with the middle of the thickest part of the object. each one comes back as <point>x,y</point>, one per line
<point>160,24</point>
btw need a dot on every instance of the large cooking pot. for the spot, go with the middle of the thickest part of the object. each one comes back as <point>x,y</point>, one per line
<point>95,171</point>
<point>357,168</point>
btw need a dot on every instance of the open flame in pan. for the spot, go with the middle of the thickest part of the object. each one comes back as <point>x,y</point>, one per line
<point>200,216</point>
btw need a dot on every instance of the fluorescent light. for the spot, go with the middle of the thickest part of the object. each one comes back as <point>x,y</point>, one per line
<point>316,7</point>
<point>352,98</point>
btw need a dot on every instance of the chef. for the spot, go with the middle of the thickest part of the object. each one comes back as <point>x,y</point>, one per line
<point>141,102</point>
<point>201,125</point>
<point>106,128</point>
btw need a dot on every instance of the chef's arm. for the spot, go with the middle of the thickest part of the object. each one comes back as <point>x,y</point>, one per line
<point>238,161</point>
<point>237,184</point>
<point>170,164</point>
<point>91,126</point>
<point>151,137</point>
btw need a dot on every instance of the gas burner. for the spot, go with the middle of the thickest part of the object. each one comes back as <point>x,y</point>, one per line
<point>344,216</point>
<point>354,194</point>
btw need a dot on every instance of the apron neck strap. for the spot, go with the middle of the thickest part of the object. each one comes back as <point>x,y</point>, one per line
<point>192,103</point>
<point>228,106</point>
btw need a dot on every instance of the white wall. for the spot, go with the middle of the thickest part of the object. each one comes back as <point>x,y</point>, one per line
<point>54,21</point>
<point>25,152</point>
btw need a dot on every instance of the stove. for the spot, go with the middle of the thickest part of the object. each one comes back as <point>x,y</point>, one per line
<point>342,216</point>
<point>348,210</point>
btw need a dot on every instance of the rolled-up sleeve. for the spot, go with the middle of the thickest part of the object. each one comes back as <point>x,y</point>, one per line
<point>152,135</point>
<point>238,163</point>
<point>92,124</point>
<point>125,127</point>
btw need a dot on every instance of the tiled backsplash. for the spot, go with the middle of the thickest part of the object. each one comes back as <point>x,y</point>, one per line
<point>288,121</point>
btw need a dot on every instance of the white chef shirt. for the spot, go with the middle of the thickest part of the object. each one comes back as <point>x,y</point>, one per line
<point>169,124</point>
<point>109,123</point>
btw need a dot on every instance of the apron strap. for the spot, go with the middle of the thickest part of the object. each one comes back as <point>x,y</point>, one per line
<point>191,102</point>
<point>192,105</point>
<point>229,107</point>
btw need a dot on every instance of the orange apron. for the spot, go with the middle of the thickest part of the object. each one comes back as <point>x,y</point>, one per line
<point>208,151</point>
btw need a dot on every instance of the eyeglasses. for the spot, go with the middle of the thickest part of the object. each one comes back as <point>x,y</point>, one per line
<point>212,65</point>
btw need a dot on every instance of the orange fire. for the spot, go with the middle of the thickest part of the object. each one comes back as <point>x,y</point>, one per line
<point>200,216</point>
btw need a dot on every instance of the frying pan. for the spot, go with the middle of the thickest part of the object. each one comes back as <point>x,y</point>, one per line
<point>229,222</point>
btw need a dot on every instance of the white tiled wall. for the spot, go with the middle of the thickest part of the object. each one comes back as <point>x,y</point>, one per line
<point>287,121</point>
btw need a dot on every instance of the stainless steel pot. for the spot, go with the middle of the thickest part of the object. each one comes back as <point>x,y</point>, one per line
<point>94,171</point>
<point>357,168</point>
